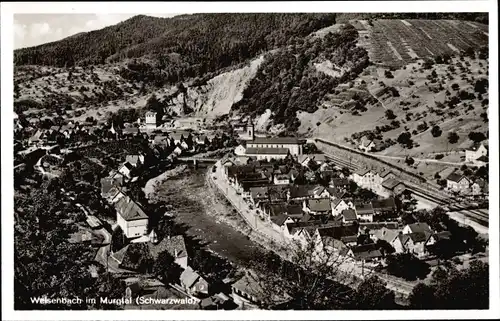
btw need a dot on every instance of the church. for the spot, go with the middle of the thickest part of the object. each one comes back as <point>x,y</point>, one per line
<point>269,147</point>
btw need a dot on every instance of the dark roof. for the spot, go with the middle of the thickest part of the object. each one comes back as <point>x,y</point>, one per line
<point>301,191</point>
<point>483,158</point>
<point>455,177</point>
<point>259,192</point>
<point>384,204</point>
<point>277,140</point>
<point>339,230</point>
<point>443,235</point>
<point>476,146</point>
<point>128,166</point>
<point>363,209</point>
<point>391,183</point>
<point>349,215</point>
<point>368,251</point>
<point>419,236</point>
<point>294,209</point>
<point>279,219</point>
<point>334,192</point>
<point>339,182</point>
<point>420,227</point>
<point>266,151</point>
<point>319,205</point>
<point>349,239</point>
<point>130,130</point>
<point>129,210</point>
<point>173,245</point>
<point>362,172</point>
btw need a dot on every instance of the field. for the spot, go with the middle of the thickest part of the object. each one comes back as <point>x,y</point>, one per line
<point>394,43</point>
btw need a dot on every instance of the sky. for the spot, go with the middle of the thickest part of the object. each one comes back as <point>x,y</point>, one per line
<point>36,29</point>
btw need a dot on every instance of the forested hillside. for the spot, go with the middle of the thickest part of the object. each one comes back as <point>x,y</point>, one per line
<point>288,82</point>
<point>184,46</point>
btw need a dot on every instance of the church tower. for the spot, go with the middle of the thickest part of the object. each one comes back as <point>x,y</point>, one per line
<point>250,130</point>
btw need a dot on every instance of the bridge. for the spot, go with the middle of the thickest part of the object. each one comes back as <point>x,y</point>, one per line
<point>198,159</point>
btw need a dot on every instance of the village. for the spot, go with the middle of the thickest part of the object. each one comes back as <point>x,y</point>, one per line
<point>283,187</point>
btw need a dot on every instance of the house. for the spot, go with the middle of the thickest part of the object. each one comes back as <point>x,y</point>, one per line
<point>301,192</point>
<point>349,216</point>
<point>321,206</point>
<point>339,205</point>
<point>258,194</point>
<point>267,153</point>
<point>37,138</point>
<point>175,246</point>
<point>393,186</point>
<point>414,239</point>
<point>369,145</point>
<point>281,179</point>
<point>126,169</point>
<point>252,291</point>
<point>151,119</point>
<point>367,178</point>
<point>475,152</point>
<point>218,301</point>
<point>240,150</point>
<point>458,183</point>
<point>365,253</point>
<point>141,287</point>
<point>160,140</point>
<point>387,174</point>
<point>481,161</point>
<point>131,255</point>
<point>107,184</point>
<point>418,227</point>
<point>130,131</point>
<point>306,159</point>
<point>411,243</point>
<point>385,234</point>
<point>131,218</point>
<point>479,187</point>
<point>364,212</point>
<point>341,184</point>
<point>193,283</point>
<point>135,160</point>
<point>385,206</point>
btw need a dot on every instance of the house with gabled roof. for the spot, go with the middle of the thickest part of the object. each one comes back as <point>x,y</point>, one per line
<point>349,216</point>
<point>367,178</point>
<point>393,186</point>
<point>414,239</point>
<point>386,206</point>
<point>193,283</point>
<point>131,218</point>
<point>476,151</point>
<point>364,211</point>
<point>365,253</point>
<point>319,206</point>
<point>135,160</point>
<point>339,205</point>
<point>126,169</point>
<point>175,246</point>
<point>458,183</point>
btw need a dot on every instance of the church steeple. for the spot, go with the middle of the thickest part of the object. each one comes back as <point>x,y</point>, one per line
<point>250,129</point>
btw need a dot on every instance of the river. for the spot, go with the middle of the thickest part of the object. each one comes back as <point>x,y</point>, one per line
<point>208,217</point>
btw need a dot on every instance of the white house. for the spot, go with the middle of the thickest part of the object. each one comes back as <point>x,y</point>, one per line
<point>474,152</point>
<point>458,183</point>
<point>131,218</point>
<point>367,179</point>
<point>240,150</point>
<point>151,119</point>
<point>126,169</point>
<point>339,205</point>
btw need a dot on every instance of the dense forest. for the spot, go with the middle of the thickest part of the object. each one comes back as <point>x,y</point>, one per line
<point>287,82</point>
<point>198,42</point>
<point>481,17</point>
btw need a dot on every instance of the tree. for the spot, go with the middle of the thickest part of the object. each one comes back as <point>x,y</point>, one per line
<point>455,87</point>
<point>453,137</point>
<point>390,114</point>
<point>422,297</point>
<point>436,131</point>
<point>477,137</point>
<point>385,247</point>
<point>118,239</point>
<point>372,294</point>
<point>166,269</point>
<point>409,160</point>
<point>405,140</point>
<point>407,266</point>
<point>481,85</point>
